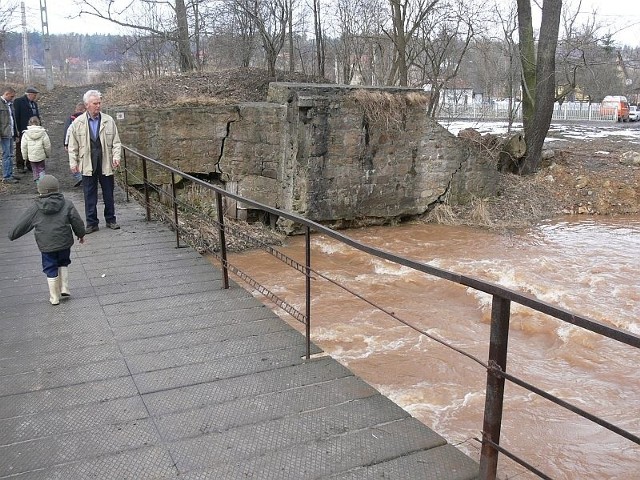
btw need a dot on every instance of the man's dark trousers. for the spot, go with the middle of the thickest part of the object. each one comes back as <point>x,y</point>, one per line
<point>90,189</point>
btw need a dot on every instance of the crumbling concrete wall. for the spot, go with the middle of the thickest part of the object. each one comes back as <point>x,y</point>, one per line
<point>335,154</point>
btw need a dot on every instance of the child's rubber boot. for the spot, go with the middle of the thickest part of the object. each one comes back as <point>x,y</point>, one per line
<point>63,274</point>
<point>54,290</point>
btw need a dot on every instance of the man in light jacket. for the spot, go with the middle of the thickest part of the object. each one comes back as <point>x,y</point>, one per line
<point>94,151</point>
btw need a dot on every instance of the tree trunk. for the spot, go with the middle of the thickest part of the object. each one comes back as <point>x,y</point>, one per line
<point>272,58</point>
<point>538,78</point>
<point>292,63</point>
<point>186,60</point>
<point>398,16</point>
<point>527,61</point>
<point>511,151</point>
<point>320,54</point>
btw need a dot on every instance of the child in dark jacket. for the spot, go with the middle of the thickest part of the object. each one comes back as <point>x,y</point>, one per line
<point>55,220</point>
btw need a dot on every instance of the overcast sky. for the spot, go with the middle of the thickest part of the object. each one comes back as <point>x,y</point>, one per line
<point>622,15</point>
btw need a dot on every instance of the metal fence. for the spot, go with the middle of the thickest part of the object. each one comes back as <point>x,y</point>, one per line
<point>502,111</point>
<point>495,365</point>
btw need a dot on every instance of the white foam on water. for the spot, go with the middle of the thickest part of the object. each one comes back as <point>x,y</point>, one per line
<point>328,246</point>
<point>383,267</point>
<point>437,407</point>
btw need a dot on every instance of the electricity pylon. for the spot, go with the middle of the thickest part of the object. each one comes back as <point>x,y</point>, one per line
<point>47,46</point>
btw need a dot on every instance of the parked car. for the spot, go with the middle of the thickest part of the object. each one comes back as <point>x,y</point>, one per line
<point>612,104</point>
<point>634,113</point>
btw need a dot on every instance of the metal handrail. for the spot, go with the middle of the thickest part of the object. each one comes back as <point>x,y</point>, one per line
<point>502,298</point>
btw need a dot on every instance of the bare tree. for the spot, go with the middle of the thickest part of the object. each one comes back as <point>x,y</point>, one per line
<point>187,61</point>
<point>175,28</point>
<point>239,33</point>
<point>407,17</point>
<point>360,43</point>
<point>443,41</point>
<point>588,61</point>
<point>8,18</point>
<point>508,23</point>
<point>270,18</point>
<point>319,35</point>
<point>538,77</point>
<point>574,48</point>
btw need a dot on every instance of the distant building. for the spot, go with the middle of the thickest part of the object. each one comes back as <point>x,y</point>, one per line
<point>33,65</point>
<point>461,96</point>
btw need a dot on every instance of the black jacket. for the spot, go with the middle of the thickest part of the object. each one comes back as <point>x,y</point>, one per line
<point>22,112</point>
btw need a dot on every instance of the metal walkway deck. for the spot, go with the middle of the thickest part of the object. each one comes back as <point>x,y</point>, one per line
<point>151,370</point>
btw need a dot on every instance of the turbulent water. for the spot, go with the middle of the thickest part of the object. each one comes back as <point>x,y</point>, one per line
<point>589,267</point>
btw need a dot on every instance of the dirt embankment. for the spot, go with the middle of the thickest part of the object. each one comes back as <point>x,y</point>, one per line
<point>585,177</point>
<point>588,176</point>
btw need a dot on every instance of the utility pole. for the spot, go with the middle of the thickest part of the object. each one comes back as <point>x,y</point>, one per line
<point>26,61</point>
<point>47,45</point>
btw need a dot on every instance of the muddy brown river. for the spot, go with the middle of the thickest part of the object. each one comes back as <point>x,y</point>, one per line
<point>591,267</point>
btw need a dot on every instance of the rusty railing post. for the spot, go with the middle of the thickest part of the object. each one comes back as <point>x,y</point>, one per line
<point>175,208</point>
<point>307,288</point>
<point>145,180</point>
<point>499,338</point>
<point>126,174</point>
<point>223,242</point>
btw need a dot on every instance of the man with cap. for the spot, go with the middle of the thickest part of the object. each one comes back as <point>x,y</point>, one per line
<point>24,108</point>
<point>55,220</point>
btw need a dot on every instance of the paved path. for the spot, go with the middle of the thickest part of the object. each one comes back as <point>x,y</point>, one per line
<point>152,370</point>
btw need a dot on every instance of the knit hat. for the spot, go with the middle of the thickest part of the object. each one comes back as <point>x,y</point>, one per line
<point>48,184</point>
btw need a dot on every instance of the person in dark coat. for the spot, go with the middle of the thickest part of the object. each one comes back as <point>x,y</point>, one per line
<point>24,108</point>
<point>55,220</point>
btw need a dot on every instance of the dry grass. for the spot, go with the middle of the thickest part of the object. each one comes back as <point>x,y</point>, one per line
<point>226,87</point>
<point>198,225</point>
<point>480,212</point>
<point>387,109</point>
<point>522,201</point>
<point>442,214</point>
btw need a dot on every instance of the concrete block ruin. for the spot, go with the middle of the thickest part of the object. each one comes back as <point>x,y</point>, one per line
<point>338,155</point>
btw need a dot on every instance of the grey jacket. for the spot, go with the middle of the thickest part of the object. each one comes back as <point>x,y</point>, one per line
<point>55,220</point>
<point>6,114</point>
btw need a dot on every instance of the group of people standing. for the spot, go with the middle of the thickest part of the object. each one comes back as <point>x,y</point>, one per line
<point>93,145</point>
<point>20,131</point>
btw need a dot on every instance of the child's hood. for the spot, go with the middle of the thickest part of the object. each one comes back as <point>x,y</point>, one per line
<point>35,132</point>
<point>50,203</point>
